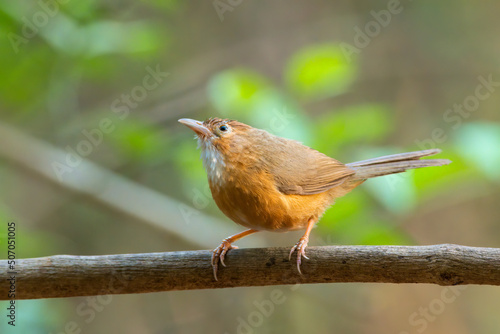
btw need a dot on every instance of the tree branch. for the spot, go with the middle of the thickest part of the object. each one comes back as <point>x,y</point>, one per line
<point>69,276</point>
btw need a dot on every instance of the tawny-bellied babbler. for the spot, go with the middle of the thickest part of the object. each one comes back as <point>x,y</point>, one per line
<point>269,183</point>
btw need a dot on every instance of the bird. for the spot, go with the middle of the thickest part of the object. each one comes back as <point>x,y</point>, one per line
<point>264,182</point>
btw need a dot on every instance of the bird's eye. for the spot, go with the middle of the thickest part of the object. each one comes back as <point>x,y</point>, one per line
<point>223,128</point>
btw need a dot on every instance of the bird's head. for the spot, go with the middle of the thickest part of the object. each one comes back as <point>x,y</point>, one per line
<point>218,139</point>
<point>215,131</point>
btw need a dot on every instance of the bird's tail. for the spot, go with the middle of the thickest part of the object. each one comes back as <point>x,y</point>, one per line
<point>396,163</point>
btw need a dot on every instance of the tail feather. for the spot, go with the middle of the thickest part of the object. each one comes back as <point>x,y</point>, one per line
<point>396,163</point>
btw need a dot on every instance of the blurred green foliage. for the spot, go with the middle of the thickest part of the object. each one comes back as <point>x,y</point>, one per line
<point>237,89</point>
<point>319,71</point>
<point>479,144</point>
<point>356,125</point>
<point>64,77</point>
<point>81,45</point>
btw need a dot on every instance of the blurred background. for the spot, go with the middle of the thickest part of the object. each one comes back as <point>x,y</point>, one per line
<point>93,161</point>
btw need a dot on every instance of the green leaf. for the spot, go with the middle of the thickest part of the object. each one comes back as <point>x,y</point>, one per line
<point>235,91</point>
<point>358,124</point>
<point>431,182</point>
<point>479,144</point>
<point>320,71</point>
<point>188,162</point>
<point>350,221</point>
<point>138,141</point>
<point>348,207</point>
<point>353,221</point>
<point>396,192</point>
<point>382,233</point>
<point>26,93</point>
<point>100,37</point>
<point>281,116</point>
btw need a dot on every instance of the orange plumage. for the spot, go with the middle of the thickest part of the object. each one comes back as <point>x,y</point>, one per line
<point>265,182</point>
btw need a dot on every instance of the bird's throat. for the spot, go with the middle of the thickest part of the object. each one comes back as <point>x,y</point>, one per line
<point>213,161</point>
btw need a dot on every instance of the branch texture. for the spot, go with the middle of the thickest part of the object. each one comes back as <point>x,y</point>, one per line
<point>69,276</point>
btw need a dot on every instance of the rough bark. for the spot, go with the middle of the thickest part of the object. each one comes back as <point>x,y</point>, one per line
<point>69,276</point>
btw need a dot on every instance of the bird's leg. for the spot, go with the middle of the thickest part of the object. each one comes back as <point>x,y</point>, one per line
<point>302,244</point>
<point>220,252</point>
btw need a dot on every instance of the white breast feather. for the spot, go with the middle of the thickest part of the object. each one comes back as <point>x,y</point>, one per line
<point>212,161</point>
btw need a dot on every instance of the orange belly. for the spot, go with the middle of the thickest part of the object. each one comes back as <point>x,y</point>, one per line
<point>254,202</point>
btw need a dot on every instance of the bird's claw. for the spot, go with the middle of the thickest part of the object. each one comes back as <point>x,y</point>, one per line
<point>301,251</point>
<point>219,254</point>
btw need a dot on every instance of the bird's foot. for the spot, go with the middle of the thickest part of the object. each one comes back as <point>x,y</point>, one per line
<point>219,253</point>
<point>301,251</point>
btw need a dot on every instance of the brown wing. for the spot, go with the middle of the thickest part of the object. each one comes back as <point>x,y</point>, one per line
<point>303,171</point>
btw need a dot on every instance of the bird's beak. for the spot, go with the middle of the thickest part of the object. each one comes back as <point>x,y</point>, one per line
<point>196,126</point>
